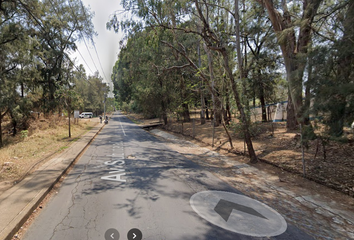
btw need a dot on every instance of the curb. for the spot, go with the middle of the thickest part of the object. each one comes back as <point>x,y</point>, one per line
<point>15,224</point>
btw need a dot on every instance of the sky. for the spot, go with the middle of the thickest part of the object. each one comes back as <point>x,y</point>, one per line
<point>107,42</point>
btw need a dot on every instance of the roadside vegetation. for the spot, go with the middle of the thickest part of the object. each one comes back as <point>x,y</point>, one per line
<point>45,137</point>
<point>40,84</point>
<point>208,66</point>
<point>37,75</point>
<point>224,58</point>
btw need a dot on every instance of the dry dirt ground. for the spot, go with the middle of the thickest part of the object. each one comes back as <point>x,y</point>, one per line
<point>45,138</point>
<point>278,147</point>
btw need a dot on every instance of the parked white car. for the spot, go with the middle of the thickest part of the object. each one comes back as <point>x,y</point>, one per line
<point>86,115</point>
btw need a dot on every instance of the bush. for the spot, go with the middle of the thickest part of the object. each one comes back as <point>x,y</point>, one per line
<point>125,107</point>
<point>255,129</point>
<point>24,134</point>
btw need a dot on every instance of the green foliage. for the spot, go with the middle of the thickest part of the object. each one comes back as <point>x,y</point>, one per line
<point>143,80</point>
<point>24,134</point>
<point>332,84</point>
<point>35,37</point>
<point>162,31</point>
<point>255,129</point>
<point>130,107</point>
<point>90,93</point>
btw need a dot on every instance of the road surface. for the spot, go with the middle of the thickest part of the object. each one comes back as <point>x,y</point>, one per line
<point>127,179</point>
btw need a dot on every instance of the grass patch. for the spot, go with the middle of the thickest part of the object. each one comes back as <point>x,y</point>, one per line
<point>63,148</point>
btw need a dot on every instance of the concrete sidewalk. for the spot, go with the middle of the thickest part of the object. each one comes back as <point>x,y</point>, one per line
<point>18,202</point>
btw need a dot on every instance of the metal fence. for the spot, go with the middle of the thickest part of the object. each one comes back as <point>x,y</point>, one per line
<point>276,112</point>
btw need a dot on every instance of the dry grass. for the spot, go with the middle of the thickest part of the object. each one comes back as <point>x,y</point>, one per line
<point>45,138</point>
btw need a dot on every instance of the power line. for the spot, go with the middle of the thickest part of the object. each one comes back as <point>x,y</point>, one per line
<point>89,52</point>
<point>82,36</point>
<point>99,61</point>
<point>93,43</point>
<point>84,61</point>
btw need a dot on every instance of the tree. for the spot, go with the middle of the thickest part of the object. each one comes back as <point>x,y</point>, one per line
<point>35,37</point>
<point>262,62</point>
<point>169,16</point>
<point>294,48</point>
<point>65,23</point>
<point>331,71</point>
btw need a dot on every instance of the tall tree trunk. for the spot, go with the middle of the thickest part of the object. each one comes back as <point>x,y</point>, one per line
<point>217,112</point>
<point>185,112</point>
<point>13,123</point>
<point>244,119</point>
<point>207,109</point>
<point>336,119</point>
<point>163,104</point>
<point>228,108</point>
<point>291,122</point>
<point>215,98</point>
<point>264,111</point>
<point>185,107</point>
<point>261,96</point>
<point>202,101</point>
<point>22,90</point>
<point>69,115</point>
<point>69,124</point>
<point>164,115</point>
<point>1,117</point>
<point>344,69</point>
<point>294,52</point>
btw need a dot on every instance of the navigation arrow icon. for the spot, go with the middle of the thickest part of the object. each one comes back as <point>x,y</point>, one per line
<point>224,209</point>
<point>111,234</point>
<point>134,234</point>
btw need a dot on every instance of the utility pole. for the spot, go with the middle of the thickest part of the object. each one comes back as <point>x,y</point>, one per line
<point>104,101</point>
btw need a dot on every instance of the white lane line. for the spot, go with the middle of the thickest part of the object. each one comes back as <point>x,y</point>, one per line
<point>122,126</point>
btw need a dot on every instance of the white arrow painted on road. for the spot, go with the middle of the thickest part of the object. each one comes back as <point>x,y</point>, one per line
<point>238,213</point>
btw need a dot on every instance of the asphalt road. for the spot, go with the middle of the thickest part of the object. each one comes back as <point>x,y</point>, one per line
<point>128,179</point>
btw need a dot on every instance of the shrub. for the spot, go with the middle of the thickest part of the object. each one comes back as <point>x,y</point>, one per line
<point>255,129</point>
<point>24,134</point>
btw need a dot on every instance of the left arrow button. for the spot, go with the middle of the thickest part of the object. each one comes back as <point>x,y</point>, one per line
<point>111,234</point>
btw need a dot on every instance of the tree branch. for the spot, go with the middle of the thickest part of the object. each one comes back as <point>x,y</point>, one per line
<point>3,115</point>
<point>191,63</point>
<point>177,67</point>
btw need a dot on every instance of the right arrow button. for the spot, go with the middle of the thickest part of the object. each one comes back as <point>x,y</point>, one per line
<point>134,234</point>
